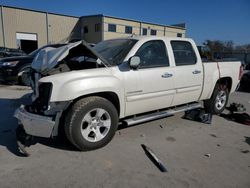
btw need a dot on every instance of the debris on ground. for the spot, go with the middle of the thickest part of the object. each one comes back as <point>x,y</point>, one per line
<point>161,126</point>
<point>235,115</point>
<point>198,115</point>
<point>218,145</point>
<point>236,107</point>
<point>151,155</point>
<point>213,135</point>
<point>207,155</point>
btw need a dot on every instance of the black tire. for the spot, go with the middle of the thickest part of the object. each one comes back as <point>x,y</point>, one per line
<point>75,117</point>
<point>211,105</point>
<point>21,78</point>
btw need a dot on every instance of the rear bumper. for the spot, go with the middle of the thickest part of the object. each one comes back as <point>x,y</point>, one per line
<point>33,124</point>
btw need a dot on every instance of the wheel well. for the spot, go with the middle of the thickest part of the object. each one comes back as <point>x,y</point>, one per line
<point>110,96</point>
<point>226,81</point>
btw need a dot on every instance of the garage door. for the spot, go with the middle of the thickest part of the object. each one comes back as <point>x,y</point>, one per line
<point>27,42</point>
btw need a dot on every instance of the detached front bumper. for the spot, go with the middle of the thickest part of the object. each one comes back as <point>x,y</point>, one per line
<point>33,124</point>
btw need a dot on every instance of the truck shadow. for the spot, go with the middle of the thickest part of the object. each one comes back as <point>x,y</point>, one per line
<point>8,123</point>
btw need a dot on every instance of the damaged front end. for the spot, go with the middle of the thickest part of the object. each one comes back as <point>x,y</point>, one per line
<point>41,118</point>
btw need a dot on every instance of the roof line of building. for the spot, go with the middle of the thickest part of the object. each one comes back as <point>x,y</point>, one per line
<point>126,19</point>
<point>20,8</point>
<point>96,15</point>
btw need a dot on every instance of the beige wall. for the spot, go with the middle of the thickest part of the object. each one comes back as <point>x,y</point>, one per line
<point>172,32</point>
<point>92,36</point>
<point>120,28</point>
<point>60,27</point>
<point>26,21</point>
<point>159,29</point>
<point>17,20</point>
<point>1,30</point>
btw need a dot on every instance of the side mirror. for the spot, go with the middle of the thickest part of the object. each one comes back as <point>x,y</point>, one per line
<point>134,62</point>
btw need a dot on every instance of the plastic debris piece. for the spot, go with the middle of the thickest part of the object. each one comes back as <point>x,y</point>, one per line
<point>161,126</point>
<point>151,155</point>
<point>213,135</point>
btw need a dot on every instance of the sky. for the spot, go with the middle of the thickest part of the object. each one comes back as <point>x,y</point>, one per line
<point>205,19</point>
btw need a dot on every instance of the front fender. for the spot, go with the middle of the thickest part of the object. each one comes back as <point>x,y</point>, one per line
<point>71,87</point>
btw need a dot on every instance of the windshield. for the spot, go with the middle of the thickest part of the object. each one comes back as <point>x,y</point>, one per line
<point>114,51</point>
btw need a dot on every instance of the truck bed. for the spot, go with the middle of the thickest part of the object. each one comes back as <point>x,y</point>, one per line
<point>213,70</point>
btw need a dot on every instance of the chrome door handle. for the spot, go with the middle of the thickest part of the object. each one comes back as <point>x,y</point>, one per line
<point>196,72</point>
<point>166,75</point>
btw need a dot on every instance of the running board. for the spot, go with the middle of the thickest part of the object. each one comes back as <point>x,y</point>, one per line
<point>160,114</point>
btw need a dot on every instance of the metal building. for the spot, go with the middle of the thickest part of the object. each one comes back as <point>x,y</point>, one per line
<point>30,29</point>
<point>100,27</point>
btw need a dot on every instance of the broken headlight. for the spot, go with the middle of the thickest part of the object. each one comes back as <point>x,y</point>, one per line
<point>42,101</point>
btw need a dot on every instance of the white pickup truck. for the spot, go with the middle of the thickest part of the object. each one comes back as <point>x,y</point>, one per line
<point>88,91</point>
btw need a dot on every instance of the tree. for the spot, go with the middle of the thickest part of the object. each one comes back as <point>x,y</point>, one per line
<point>217,47</point>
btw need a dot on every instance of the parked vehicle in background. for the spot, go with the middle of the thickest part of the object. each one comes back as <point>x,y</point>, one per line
<point>9,52</point>
<point>132,80</point>
<point>16,69</point>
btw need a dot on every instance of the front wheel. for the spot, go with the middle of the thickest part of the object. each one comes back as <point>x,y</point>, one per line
<point>91,123</point>
<point>219,99</point>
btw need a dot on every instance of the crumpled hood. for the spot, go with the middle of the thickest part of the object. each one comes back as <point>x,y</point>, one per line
<point>49,57</point>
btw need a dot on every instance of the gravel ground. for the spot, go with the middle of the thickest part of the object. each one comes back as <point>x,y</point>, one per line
<point>180,144</point>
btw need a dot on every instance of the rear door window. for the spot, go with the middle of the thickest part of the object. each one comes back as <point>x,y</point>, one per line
<point>183,53</point>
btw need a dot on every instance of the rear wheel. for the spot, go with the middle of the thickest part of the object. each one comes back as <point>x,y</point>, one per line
<point>219,99</point>
<point>91,123</point>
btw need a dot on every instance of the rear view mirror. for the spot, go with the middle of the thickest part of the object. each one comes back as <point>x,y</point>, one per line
<point>134,62</point>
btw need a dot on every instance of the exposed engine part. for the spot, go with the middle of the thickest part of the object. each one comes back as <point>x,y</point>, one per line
<point>42,101</point>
